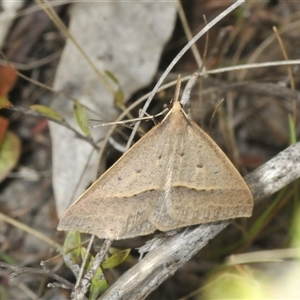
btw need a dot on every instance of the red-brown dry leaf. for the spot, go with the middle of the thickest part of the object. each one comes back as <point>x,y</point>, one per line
<point>8,78</point>
<point>3,128</point>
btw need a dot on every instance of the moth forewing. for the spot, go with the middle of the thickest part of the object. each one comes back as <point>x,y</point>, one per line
<point>175,176</point>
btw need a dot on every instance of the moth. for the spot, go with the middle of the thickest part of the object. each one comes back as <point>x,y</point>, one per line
<point>174,176</point>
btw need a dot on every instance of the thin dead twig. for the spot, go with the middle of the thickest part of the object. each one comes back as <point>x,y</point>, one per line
<point>44,272</point>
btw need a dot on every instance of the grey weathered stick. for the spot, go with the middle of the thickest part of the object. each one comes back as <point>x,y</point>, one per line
<point>163,262</point>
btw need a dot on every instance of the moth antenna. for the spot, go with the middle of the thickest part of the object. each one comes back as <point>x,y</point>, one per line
<point>186,95</point>
<point>177,89</point>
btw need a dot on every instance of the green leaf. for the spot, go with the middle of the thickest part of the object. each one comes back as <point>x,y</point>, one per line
<point>119,98</point>
<point>47,112</point>
<point>10,151</point>
<point>81,118</point>
<point>293,134</point>
<point>4,103</point>
<point>232,285</point>
<point>119,94</point>
<point>72,245</point>
<point>99,285</point>
<point>111,76</point>
<point>116,259</point>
